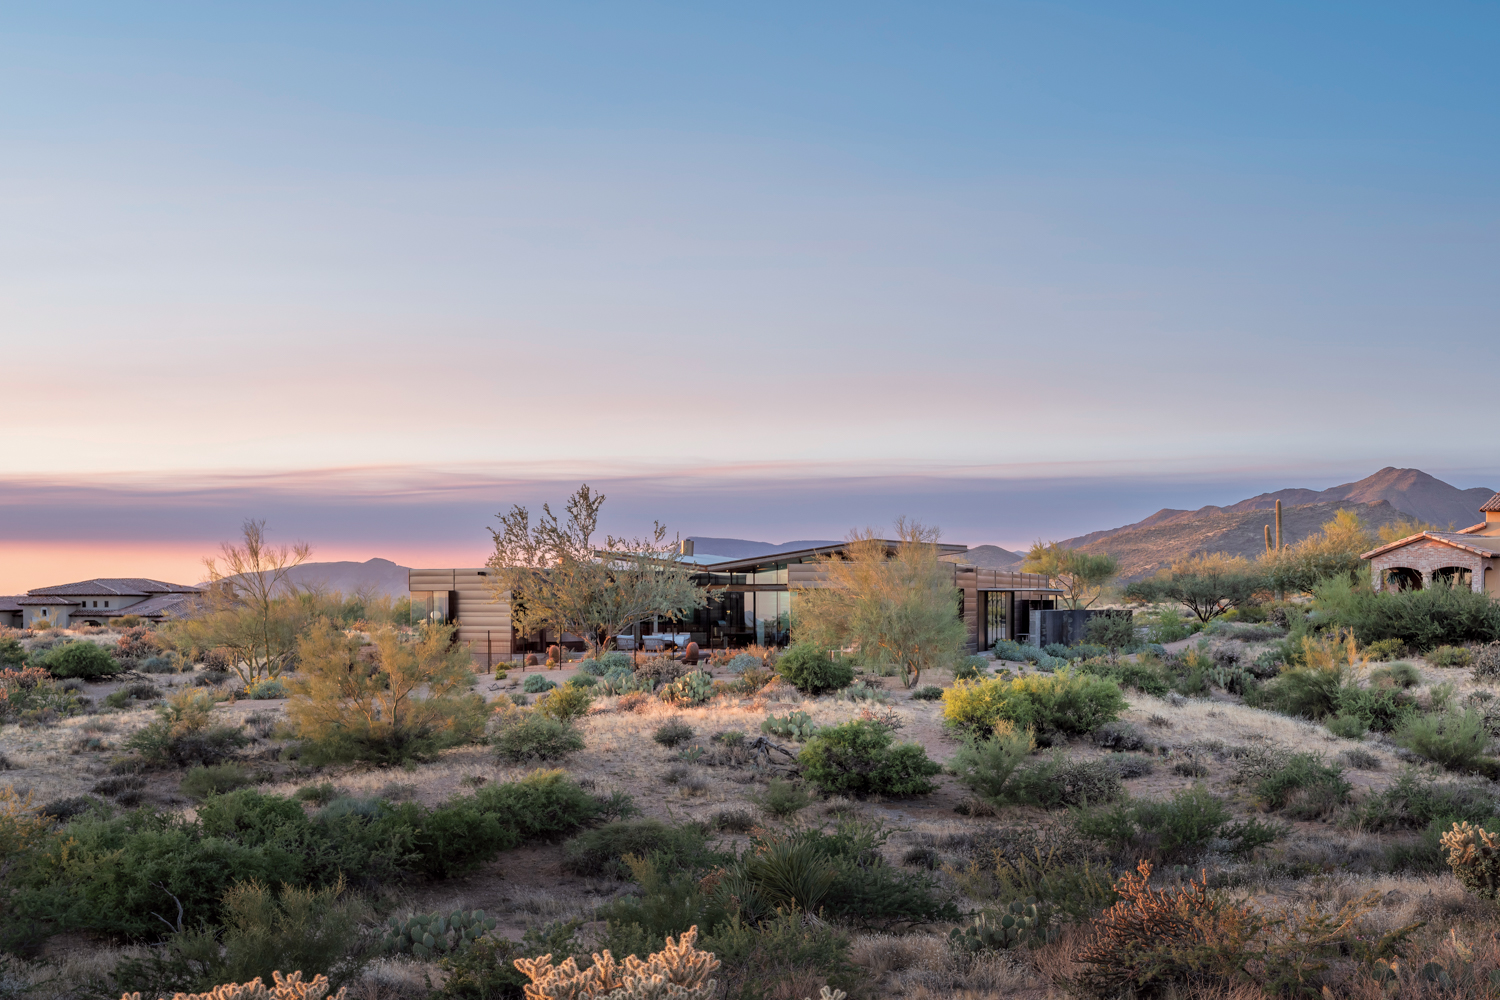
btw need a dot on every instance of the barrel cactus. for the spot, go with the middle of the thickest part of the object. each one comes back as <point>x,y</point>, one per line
<point>431,935</point>
<point>1017,924</point>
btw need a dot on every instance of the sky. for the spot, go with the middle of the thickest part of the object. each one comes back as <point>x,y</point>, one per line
<point>375,272</point>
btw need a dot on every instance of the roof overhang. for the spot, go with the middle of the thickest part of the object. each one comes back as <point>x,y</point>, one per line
<point>798,555</point>
<point>1463,545</point>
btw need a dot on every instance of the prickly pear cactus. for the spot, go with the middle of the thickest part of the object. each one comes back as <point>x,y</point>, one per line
<point>431,935</point>
<point>797,726</point>
<point>694,688</point>
<point>1018,924</point>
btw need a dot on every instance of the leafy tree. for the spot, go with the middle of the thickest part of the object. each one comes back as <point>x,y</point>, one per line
<point>1208,584</point>
<point>410,701</point>
<point>555,575</point>
<point>896,606</point>
<point>249,610</point>
<point>1332,551</point>
<point>1081,575</point>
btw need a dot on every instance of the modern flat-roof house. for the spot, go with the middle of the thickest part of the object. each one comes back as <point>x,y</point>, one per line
<point>95,602</point>
<point>1467,558</point>
<point>751,602</point>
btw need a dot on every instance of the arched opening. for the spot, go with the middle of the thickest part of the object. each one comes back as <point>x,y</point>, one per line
<point>1453,576</point>
<point>1403,578</point>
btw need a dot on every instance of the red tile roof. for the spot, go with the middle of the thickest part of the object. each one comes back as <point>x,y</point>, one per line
<point>30,601</point>
<point>1493,503</point>
<point>9,604</point>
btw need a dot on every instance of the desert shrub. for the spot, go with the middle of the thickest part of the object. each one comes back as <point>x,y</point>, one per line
<point>1349,727</point>
<point>929,692</point>
<point>1397,675</point>
<point>1382,709</point>
<point>1008,649</point>
<point>137,643</point>
<point>658,670</point>
<point>201,782</point>
<point>602,852</point>
<point>858,758</point>
<point>1305,787</point>
<point>1149,674</point>
<point>566,703</point>
<point>1168,625</point>
<point>812,670</point>
<point>530,736</point>
<point>1421,619</point>
<point>1385,650</point>
<point>1118,736</point>
<point>12,653</point>
<point>1061,702</point>
<point>536,684</point>
<point>31,694</point>
<point>298,928</point>
<point>1114,631</point>
<point>483,971</point>
<point>162,663</point>
<point>1456,740</point>
<point>1487,661</point>
<point>184,734</point>
<point>1449,656</point>
<point>971,668</point>
<point>741,662</point>
<point>1176,829</point>
<point>985,766</point>
<point>408,704</point>
<point>672,732</point>
<point>1058,781</point>
<point>1414,801</point>
<point>320,794</point>
<point>783,798</point>
<point>84,660</point>
<point>1132,765</point>
<point>860,691</point>
<point>584,681</point>
<point>266,689</point>
<point>65,809</point>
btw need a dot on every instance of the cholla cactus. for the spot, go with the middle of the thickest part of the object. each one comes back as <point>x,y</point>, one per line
<point>433,934</point>
<point>1474,856</point>
<point>694,688</point>
<point>1019,924</point>
<point>677,972</point>
<point>288,987</point>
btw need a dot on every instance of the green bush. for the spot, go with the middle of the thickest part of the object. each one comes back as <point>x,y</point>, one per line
<point>536,684</point>
<point>1175,830</point>
<point>584,681</point>
<point>1456,740</point>
<point>1382,709</point>
<point>1397,675</point>
<point>602,852</point>
<point>1421,619</point>
<point>1062,702</point>
<point>201,782</point>
<point>184,734</point>
<point>812,671</point>
<point>857,758</point>
<point>84,660</point>
<point>1114,631</point>
<point>672,732</point>
<point>536,737</point>
<point>1007,649</point>
<point>566,703</point>
<point>1449,656</point>
<point>485,970</point>
<point>1057,782</point>
<point>1306,787</point>
<point>971,668</point>
<point>266,690</point>
<point>928,692</point>
<point>1149,674</point>
<point>986,765</point>
<point>1414,801</point>
<point>1349,727</point>
<point>1385,649</point>
<point>783,798</point>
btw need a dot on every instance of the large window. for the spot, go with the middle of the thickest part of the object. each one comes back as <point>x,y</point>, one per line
<point>429,606</point>
<point>769,614</point>
<point>996,615</point>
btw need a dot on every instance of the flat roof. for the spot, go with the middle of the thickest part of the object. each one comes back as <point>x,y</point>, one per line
<point>798,555</point>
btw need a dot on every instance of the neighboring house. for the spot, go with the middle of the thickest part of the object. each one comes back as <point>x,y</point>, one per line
<point>10,612</point>
<point>751,602</point>
<point>95,602</point>
<point>1469,558</point>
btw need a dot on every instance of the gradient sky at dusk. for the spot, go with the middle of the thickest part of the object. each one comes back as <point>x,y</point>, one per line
<point>374,272</point>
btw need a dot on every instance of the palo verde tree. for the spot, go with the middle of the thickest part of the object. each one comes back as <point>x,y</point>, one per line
<point>249,609</point>
<point>1208,584</point>
<point>895,605</point>
<point>406,701</point>
<point>556,575</point>
<point>1080,575</point>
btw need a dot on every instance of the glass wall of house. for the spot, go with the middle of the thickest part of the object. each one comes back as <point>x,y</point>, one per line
<point>429,606</point>
<point>749,608</point>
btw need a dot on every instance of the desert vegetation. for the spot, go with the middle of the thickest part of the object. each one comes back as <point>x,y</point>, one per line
<point>1287,797</point>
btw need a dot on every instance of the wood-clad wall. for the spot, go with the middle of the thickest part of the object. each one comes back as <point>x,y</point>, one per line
<point>483,622</point>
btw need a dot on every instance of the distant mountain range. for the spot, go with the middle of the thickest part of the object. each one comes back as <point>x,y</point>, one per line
<point>1389,495</point>
<point>373,576</point>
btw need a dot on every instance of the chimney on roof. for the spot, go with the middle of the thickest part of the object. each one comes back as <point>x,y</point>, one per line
<point>1491,509</point>
<point>685,547</point>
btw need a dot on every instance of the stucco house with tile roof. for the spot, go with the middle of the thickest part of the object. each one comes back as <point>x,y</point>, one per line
<point>10,612</point>
<point>1469,557</point>
<point>95,602</point>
